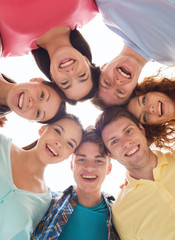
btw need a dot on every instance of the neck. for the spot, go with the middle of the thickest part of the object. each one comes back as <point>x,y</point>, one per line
<point>145,171</point>
<point>88,199</point>
<point>55,38</point>
<point>127,51</point>
<point>4,89</point>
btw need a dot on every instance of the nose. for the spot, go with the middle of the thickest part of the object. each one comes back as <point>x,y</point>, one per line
<point>59,145</point>
<point>149,109</point>
<point>30,102</point>
<point>121,81</point>
<point>126,142</point>
<point>89,166</point>
<point>70,69</point>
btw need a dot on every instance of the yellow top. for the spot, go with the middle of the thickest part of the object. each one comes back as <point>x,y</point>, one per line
<point>145,210</point>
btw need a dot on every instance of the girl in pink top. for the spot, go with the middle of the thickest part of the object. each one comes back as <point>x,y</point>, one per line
<point>33,25</point>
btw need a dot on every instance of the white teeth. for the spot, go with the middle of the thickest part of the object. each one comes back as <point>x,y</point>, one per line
<point>66,63</point>
<point>51,150</point>
<point>90,177</point>
<point>124,74</point>
<point>20,100</point>
<point>132,151</point>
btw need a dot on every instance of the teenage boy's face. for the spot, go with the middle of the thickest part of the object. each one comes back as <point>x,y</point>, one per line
<point>126,142</point>
<point>89,168</point>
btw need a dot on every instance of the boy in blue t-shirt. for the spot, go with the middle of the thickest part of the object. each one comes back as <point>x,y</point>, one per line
<point>82,212</point>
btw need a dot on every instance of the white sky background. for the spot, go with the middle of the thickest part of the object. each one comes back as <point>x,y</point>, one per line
<point>105,46</point>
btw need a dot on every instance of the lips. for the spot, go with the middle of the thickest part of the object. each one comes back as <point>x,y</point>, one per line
<point>66,63</point>
<point>160,109</point>
<point>20,100</point>
<point>51,151</point>
<point>124,72</point>
<point>89,178</point>
<point>132,151</point>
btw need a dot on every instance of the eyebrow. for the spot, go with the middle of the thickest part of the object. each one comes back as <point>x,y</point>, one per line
<point>48,98</point>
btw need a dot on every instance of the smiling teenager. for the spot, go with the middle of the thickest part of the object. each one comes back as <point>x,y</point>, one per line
<point>153,104</point>
<point>32,100</point>
<point>24,197</point>
<point>50,34</point>
<point>147,35</point>
<point>82,212</point>
<point>149,191</point>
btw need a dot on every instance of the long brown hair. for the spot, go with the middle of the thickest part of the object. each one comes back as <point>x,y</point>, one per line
<point>161,135</point>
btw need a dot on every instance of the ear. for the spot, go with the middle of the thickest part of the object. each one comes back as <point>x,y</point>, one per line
<point>110,155</point>
<point>103,66</point>
<point>38,80</point>
<point>142,129</point>
<point>109,169</point>
<point>42,129</point>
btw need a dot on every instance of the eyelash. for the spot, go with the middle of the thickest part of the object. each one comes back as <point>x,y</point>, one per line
<point>42,95</point>
<point>57,131</point>
<point>70,144</point>
<point>82,75</point>
<point>37,113</point>
<point>143,100</point>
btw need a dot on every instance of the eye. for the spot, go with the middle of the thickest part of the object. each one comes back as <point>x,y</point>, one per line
<point>64,83</point>
<point>70,144</point>
<point>107,83</point>
<point>99,161</point>
<point>144,118</point>
<point>143,100</point>
<point>57,131</point>
<point>128,131</point>
<point>42,95</point>
<point>81,160</point>
<point>114,142</point>
<point>37,113</point>
<point>82,75</point>
<point>120,91</point>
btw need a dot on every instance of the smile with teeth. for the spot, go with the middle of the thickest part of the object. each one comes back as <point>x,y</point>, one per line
<point>67,63</point>
<point>160,109</point>
<point>124,72</point>
<point>90,177</point>
<point>51,150</point>
<point>20,100</point>
<point>132,151</point>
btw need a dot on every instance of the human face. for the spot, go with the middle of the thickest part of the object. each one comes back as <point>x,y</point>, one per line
<point>70,70</point>
<point>58,141</point>
<point>118,80</point>
<point>152,108</point>
<point>89,168</point>
<point>34,101</point>
<point>127,143</point>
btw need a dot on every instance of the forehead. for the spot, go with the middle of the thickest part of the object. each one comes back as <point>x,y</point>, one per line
<point>88,148</point>
<point>117,126</point>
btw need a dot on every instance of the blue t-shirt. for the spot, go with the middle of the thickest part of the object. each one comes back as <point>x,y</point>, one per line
<point>20,211</point>
<point>87,223</point>
<point>146,26</point>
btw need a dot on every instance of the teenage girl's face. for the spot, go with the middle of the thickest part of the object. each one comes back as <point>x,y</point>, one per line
<point>58,141</point>
<point>34,101</point>
<point>70,70</point>
<point>152,108</point>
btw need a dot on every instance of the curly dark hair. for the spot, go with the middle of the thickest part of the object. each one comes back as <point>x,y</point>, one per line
<point>42,59</point>
<point>162,135</point>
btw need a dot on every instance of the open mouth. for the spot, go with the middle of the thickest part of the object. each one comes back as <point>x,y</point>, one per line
<point>51,151</point>
<point>89,178</point>
<point>132,151</point>
<point>20,100</point>
<point>160,109</point>
<point>66,63</point>
<point>125,73</point>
